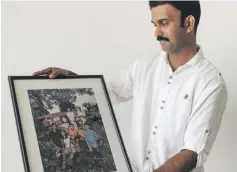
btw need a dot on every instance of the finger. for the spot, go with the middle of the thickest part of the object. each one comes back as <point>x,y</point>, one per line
<point>58,72</point>
<point>53,74</point>
<point>44,71</point>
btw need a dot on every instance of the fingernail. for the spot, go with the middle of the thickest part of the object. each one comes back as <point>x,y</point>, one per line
<point>51,75</point>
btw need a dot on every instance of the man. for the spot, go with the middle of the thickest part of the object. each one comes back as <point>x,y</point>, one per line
<point>178,96</point>
<point>56,137</point>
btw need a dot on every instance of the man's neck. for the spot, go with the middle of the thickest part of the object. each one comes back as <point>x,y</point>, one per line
<point>179,59</point>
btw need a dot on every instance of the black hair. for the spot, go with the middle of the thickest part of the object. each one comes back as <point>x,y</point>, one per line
<point>186,8</point>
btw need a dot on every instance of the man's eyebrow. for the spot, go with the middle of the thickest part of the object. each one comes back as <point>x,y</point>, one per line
<point>159,20</point>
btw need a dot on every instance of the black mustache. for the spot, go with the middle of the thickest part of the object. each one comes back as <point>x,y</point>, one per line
<point>161,38</point>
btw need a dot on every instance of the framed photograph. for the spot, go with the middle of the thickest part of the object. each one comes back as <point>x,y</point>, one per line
<point>67,124</point>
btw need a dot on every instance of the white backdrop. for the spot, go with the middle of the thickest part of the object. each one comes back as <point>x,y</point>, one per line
<point>104,38</point>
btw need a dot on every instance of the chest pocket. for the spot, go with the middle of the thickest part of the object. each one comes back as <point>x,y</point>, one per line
<point>182,110</point>
<point>184,105</point>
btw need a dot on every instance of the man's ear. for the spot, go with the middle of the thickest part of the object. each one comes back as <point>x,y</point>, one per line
<point>189,24</point>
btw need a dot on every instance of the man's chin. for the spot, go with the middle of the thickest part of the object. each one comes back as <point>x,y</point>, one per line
<point>164,48</point>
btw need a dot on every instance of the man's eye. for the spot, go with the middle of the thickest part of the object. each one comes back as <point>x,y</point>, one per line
<point>163,23</point>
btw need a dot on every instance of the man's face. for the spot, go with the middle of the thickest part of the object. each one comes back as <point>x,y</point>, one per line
<point>54,127</point>
<point>166,20</point>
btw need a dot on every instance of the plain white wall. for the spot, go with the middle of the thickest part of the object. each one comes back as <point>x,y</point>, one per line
<point>104,38</point>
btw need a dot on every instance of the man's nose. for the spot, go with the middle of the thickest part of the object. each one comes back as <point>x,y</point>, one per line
<point>157,31</point>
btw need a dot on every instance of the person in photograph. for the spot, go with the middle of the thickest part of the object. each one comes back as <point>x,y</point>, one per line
<point>81,134</point>
<point>47,122</point>
<point>73,133</point>
<point>71,116</point>
<point>90,118</point>
<point>80,112</point>
<point>91,139</point>
<point>56,137</point>
<point>81,125</point>
<point>65,124</point>
<point>69,147</point>
<point>57,120</point>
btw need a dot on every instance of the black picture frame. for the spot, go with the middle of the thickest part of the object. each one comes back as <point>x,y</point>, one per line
<point>18,86</point>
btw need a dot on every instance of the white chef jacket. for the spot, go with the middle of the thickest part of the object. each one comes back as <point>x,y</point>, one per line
<point>171,110</point>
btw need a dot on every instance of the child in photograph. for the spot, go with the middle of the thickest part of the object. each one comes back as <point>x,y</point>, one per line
<point>69,148</point>
<point>91,140</point>
<point>73,133</point>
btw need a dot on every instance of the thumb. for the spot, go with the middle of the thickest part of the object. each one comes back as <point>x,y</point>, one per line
<point>54,74</point>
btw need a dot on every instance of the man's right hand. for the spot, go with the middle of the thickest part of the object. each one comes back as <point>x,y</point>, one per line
<point>52,72</point>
